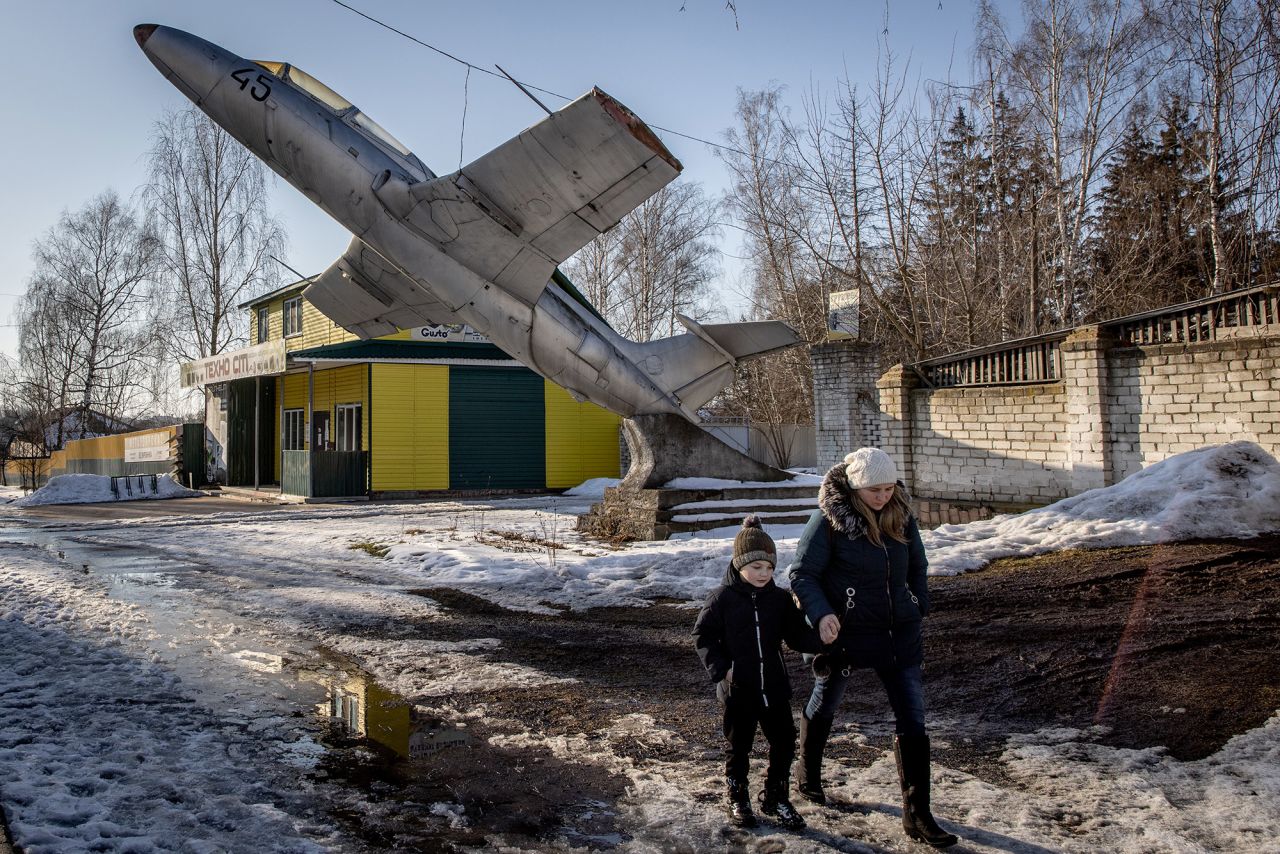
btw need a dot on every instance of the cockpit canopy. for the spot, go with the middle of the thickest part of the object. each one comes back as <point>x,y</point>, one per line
<point>339,105</point>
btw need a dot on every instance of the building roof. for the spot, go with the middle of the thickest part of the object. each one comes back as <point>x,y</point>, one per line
<point>376,350</point>
<point>281,291</point>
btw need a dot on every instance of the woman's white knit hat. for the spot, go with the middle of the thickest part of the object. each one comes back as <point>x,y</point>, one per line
<point>869,467</point>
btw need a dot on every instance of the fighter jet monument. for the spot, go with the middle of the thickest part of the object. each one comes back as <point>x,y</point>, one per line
<point>479,246</point>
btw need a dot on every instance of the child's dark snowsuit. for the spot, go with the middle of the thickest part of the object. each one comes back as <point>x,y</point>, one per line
<point>743,627</point>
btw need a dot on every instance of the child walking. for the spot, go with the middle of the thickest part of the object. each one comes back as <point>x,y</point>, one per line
<point>739,635</point>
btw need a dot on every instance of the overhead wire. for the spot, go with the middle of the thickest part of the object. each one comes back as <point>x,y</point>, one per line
<point>472,66</point>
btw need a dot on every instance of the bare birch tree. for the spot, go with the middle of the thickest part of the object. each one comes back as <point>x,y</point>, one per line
<point>658,262</point>
<point>85,331</point>
<point>1079,68</point>
<point>208,196</point>
<point>1227,59</point>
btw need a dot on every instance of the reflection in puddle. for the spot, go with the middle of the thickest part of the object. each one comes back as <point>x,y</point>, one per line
<point>263,662</point>
<point>364,708</point>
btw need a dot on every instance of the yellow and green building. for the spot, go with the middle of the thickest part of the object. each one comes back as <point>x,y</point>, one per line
<point>313,409</point>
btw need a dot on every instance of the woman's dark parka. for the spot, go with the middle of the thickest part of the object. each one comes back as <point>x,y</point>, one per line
<point>736,625</point>
<point>879,593</point>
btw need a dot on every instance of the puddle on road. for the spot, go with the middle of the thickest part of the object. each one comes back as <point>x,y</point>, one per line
<point>404,778</point>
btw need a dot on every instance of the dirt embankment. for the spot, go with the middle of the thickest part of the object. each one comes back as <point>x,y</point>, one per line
<point>1175,645</point>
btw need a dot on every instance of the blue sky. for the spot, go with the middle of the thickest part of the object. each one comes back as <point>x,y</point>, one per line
<point>81,97</point>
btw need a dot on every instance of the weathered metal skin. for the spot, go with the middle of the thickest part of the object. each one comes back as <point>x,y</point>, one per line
<point>478,246</point>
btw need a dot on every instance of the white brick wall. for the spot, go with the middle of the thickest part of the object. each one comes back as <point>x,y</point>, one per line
<point>846,411</point>
<point>1115,411</point>
<point>1001,444</point>
<point>1175,398</point>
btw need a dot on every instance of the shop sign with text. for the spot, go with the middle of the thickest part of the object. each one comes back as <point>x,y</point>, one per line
<point>256,361</point>
<point>451,332</point>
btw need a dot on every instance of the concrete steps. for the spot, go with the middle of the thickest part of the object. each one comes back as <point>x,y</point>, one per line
<point>656,514</point>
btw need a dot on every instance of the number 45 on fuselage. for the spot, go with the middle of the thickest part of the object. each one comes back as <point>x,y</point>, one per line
<point>479,246</point>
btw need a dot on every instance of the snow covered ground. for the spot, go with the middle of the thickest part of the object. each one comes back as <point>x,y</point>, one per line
<point>133,717</point>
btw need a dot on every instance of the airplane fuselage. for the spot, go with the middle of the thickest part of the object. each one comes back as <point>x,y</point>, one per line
<point>330,155</point>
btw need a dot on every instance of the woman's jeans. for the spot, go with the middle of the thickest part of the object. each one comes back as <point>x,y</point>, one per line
<point>904,685</point>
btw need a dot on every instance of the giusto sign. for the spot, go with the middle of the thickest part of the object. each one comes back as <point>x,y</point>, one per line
<point>256,361</point>
<point>447,332</point>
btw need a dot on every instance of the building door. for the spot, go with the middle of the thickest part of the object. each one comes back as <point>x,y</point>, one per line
<point>239,451</point>
<point>321,437</point>
<point>497,433</point>
<point>268,447</point>
<point>240,431</point>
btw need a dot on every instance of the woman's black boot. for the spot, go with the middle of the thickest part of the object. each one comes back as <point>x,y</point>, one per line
<point>740,803</point>
<point>813,741</point>
<point>912,753</point>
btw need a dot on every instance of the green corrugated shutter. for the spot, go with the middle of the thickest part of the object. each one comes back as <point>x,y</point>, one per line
<point>239,450</point>
<point>497,437</point>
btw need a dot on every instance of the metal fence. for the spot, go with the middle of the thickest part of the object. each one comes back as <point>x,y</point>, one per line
<point>1027,361</point>
<point>1227,316</point>
<point>1020,362</point>
<point>325,474</point>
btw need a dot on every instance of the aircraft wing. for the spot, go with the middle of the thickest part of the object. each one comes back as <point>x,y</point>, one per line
<point>368,297</point>
<point>515,213</point>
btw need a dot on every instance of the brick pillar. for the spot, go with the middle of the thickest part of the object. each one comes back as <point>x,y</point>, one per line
<point>844,396</point>
<point>1084,374</point>
<point>895,419</point>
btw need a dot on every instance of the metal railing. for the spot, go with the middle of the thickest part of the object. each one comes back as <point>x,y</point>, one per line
<point>129,485</point>
<point>1027,361</point>
<point>324,474</point>
<point>1225,316</point>
<point>1021,362</point>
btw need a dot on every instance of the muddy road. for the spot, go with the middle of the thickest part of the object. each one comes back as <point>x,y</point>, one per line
<point>1175,645</point>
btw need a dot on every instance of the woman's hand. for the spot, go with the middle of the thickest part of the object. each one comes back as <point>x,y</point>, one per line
<point>829,628</point>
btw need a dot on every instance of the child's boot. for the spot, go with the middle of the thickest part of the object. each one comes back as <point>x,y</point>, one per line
<point>774,803</point>
<point>740,803</point>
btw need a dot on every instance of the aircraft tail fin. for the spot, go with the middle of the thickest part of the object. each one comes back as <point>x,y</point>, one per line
<point>696,366</point>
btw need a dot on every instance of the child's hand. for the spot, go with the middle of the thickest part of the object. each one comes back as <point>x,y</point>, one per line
<point>829,628</point>
<point>728,677</point>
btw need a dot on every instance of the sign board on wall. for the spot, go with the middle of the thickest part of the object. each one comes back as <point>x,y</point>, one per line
<point>450,332</point>
<point>152,447</point>
<point>842,315</point>
<point>256,361</point>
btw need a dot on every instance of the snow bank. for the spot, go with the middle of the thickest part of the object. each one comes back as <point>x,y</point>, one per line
<point>1217,491</point>
<point>594,488</point>
<point>94,488</point>
<point>1220,491</point>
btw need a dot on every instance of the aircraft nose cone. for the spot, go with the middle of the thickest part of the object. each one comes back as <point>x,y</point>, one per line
<point>190,63</point>
<point>142,32</point>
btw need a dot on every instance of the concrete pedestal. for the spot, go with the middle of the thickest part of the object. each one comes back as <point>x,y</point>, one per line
<point>665,447</point>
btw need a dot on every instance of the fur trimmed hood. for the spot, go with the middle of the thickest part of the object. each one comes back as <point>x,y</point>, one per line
<point>835,500</point>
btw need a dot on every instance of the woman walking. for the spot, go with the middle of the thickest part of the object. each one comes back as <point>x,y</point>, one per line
<point>859,573</point>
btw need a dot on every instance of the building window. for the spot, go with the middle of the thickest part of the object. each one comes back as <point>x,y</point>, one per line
<point>295,430</point>
<point>292,319</point>
<point>349,427</point>
<point>263,324</point>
